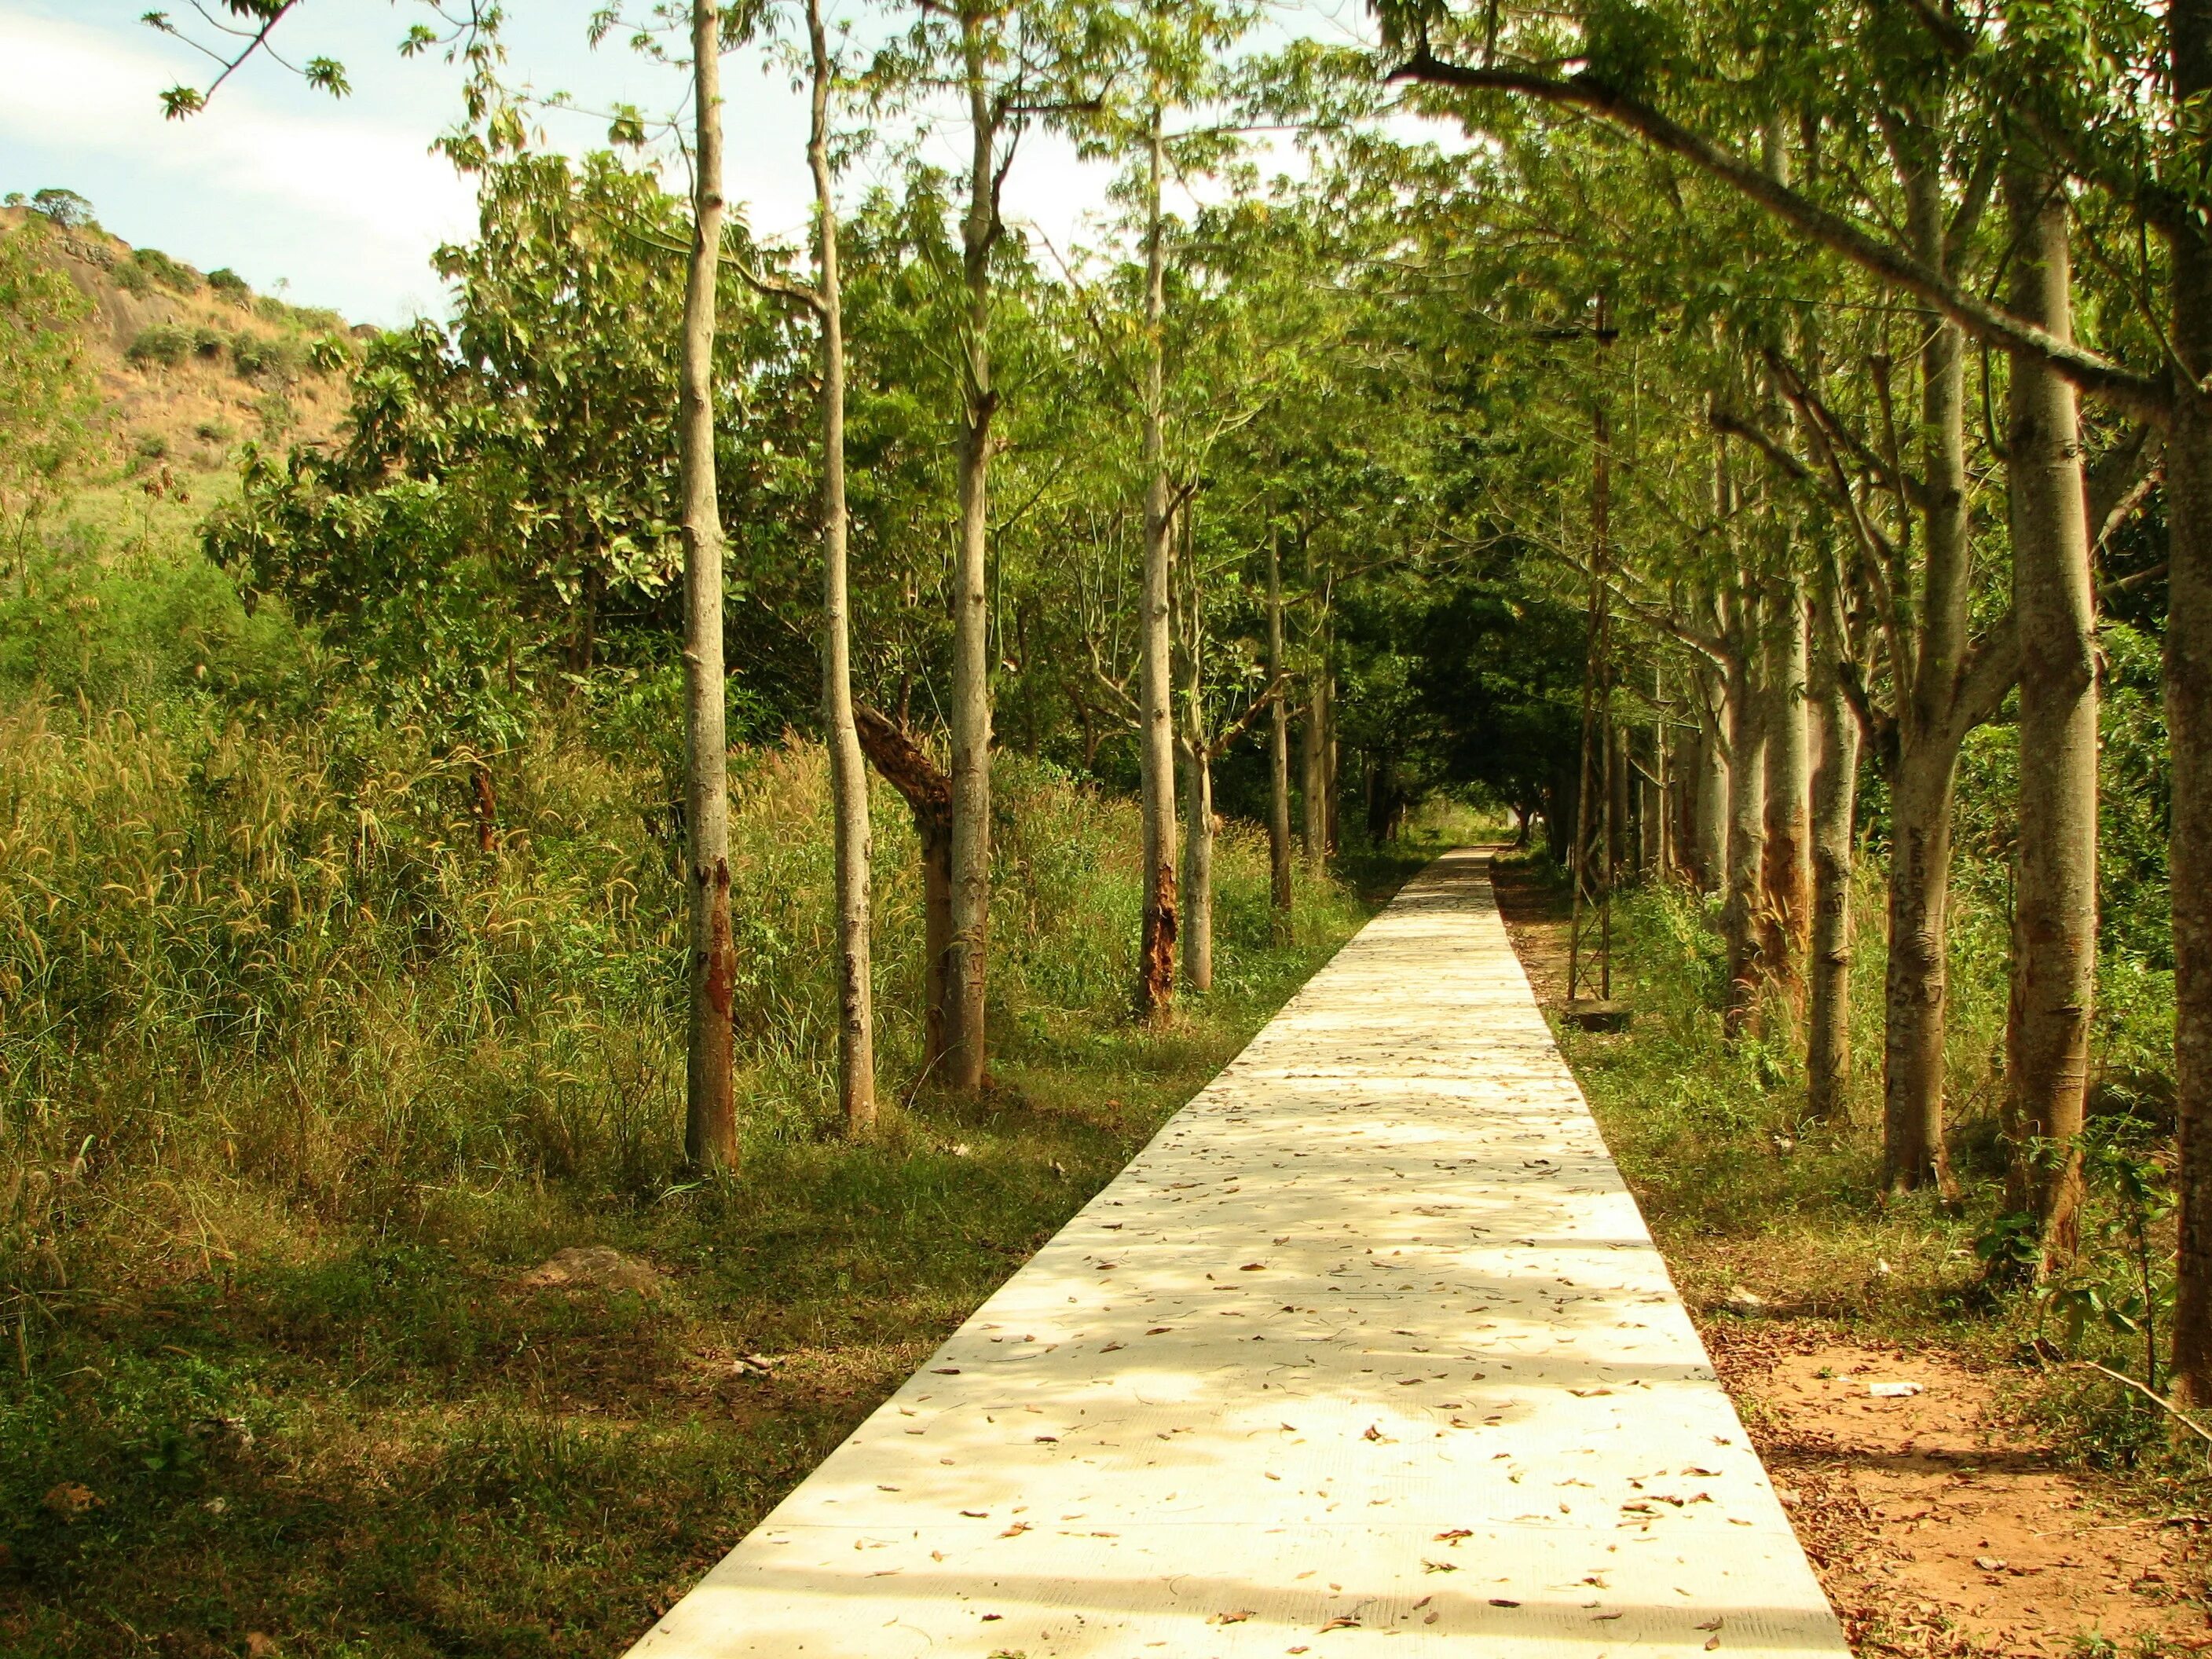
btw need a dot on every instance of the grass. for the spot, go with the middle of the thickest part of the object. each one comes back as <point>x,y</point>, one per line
<point>297,1083</point>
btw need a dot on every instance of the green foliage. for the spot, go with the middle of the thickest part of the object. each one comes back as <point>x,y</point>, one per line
<point>164,345</point>
<point>501,518</point>
<point>65,208</point>
<point>158,269</point>
<point>228,283</point>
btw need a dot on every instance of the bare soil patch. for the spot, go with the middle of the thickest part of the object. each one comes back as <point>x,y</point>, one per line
<point>1938,1523</point>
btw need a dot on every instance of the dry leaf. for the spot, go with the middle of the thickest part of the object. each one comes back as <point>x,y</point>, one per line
<point>72,1501</point>
<point>1342,1621</point>
<point>1235,1618</point>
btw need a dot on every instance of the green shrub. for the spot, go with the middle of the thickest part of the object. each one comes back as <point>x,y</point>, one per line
<point>159,267</point>
<point>259,356</point>
<point>228,283</point>
<point>164,345</point>
<point>131,278</point>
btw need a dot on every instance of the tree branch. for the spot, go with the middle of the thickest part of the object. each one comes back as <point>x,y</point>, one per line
<point>2143,395</point>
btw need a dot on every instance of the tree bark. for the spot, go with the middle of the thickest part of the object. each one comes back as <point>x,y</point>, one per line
<point>848,776</point>
<point>967,985</point>
<point>1197,755</point>
<point>2054,930</point>
<point>1916,983</point>
<point>1786,856</point>
<point>1278,753</point>
<point>2188,723</point>
<point>1747,825</point>
<point>1155,994</point>
<point>928,791</point>
<point>1828,957</point>
<point>1708,838</point>
<point>710,1131</point>
<point>1930,732</point>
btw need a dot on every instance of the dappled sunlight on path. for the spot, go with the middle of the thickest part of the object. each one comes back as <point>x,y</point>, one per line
<point>1368,1352</point>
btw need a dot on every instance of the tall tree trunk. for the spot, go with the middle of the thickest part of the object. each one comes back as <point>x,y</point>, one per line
<point>2054,930</point>
<point>1747,825</point>
<point>1828,958</point>
<point>1279,752</point>
<point>848,775</point>
<point>967,1048</point>
<point>710,1123</point>
<point>1708,834</point>
<point>1786,858</point>
<point>2189,720</point>
<point>1332,782</point>
<point>928,791</point>
<point>1916,983</point>
<point>1313,735</point>
<point>1198,777</point>
<point>1155,695</point>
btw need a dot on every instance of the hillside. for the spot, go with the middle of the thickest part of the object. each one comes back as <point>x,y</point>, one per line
<point>188,364</point>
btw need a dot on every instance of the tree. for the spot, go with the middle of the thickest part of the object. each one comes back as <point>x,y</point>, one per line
<point>710,1135</point>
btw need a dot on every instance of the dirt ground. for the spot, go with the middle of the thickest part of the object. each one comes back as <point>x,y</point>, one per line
<point>1939,1524</point>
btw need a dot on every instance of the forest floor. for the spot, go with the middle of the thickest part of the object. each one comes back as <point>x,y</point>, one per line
<point>1941,1522</point>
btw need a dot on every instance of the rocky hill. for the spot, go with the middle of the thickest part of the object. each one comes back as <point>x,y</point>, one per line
<point>188,363</point>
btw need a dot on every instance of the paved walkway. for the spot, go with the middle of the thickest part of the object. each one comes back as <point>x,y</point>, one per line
<point>1368,1352</point>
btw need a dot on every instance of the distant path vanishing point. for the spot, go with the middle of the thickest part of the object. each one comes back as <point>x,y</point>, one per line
<point>1368,1352</point>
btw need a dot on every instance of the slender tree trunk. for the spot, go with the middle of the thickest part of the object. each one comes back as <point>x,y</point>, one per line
<point>1279,752</point>
<point>2054,930</point>
<point>1828,965</point>
<point>1916,983</point>
<point>928,792</point>
<point>1709,836</point>
<point>710,1125</point>
<point>1313,741</point>
<point>1786,858</point>
<point>1198,776</point>
<point>1156,734</point>
<point>1332,785</point>
<point>1747,745</point>
<point>848,775</point>
<point>967,1048</point>
<point>2189,724</point>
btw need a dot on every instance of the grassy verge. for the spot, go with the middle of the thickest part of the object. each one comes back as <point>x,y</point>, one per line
<point>1745,1194</point>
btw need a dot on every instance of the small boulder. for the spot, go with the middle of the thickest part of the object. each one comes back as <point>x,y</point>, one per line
<point>593,1268</point>
<point>1742,1304</point>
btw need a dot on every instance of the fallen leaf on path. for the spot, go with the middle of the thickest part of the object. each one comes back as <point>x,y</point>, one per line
<point>1342,1621</point>
<point>1235,1618</point>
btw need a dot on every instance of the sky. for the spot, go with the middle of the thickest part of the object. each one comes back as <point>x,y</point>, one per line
<point>339,203</point>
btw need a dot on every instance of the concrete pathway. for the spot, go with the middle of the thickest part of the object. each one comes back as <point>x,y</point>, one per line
<point>1367,1352</point>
